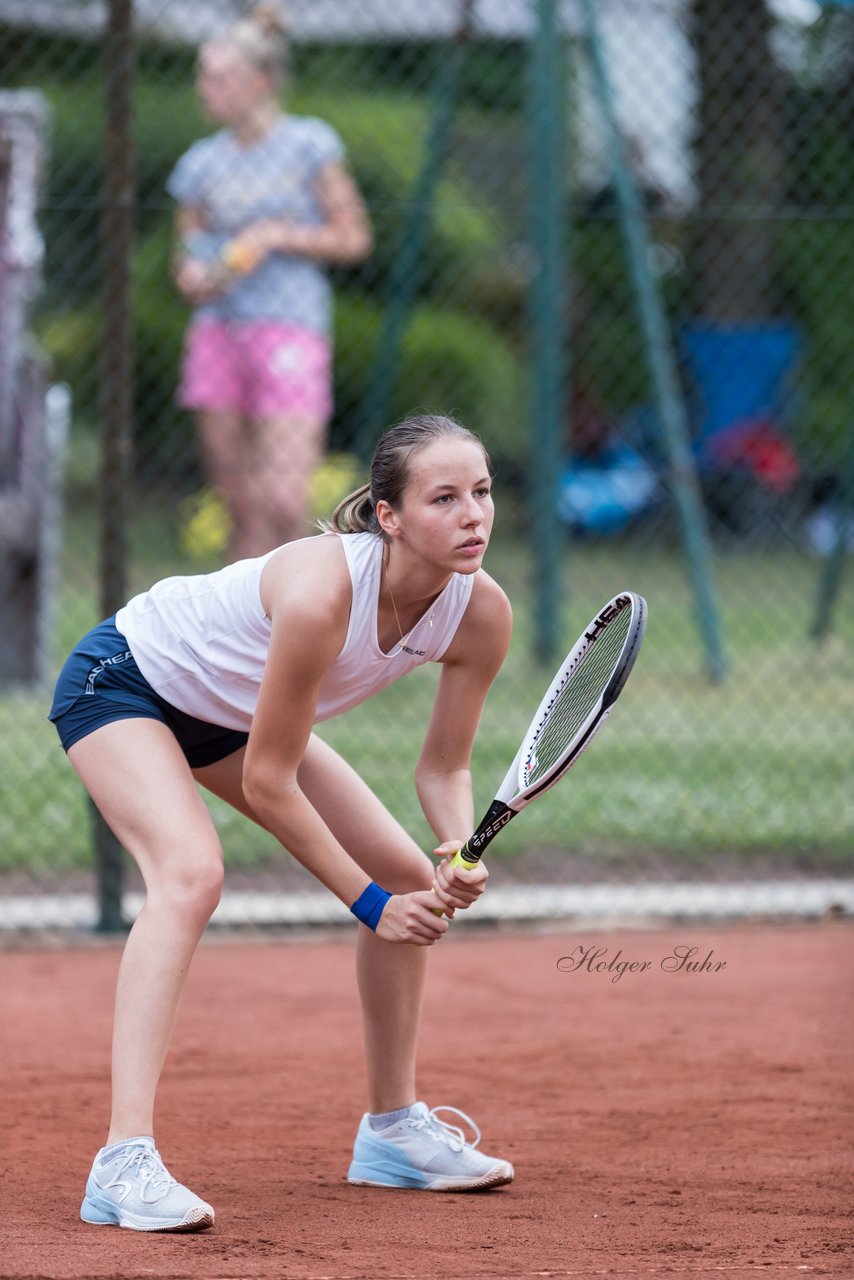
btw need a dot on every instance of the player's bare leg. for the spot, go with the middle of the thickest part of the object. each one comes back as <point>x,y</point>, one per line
<point>391,981</point>
<point>139,779</point>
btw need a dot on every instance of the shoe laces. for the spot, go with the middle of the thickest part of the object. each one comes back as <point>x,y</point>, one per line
<point>441,1131</point>
<point>147,1164</point>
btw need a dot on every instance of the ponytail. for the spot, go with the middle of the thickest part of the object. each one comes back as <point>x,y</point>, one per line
<point>354,514</point>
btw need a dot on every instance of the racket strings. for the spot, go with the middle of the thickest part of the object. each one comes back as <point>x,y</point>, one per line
<point>575,700</point>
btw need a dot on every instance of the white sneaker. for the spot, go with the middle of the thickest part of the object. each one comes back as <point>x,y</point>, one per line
<point>424,1153</point>
<point>132,1188</point>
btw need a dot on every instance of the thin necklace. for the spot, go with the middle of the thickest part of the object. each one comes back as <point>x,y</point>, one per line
<point>394,606</point>
<point>419,653</point>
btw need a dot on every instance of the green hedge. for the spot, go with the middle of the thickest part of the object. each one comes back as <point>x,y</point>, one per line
<point>448,363</point>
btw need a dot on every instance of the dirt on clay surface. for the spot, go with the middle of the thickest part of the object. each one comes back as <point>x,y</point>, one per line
<point>663,1121</point>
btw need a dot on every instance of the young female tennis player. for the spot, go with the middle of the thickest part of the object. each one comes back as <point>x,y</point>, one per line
<point>218,680</point>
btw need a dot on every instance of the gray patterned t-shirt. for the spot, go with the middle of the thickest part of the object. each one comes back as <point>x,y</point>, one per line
<point>232,186</point>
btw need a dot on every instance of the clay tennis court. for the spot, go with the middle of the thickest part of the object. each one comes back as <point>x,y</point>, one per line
<point>662,1124</point>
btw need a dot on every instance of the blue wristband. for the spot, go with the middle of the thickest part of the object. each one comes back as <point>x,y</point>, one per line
<point>369,907</point>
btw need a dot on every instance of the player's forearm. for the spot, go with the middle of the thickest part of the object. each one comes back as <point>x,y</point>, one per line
<point>446,800</point>
<point>287,814</point>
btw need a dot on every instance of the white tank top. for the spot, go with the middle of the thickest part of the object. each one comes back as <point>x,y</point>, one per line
<point>201,642</point>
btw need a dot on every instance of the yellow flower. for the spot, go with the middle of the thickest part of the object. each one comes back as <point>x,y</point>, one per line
<point>205,525</point>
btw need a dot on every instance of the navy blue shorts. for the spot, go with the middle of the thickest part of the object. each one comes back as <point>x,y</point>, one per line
<point>101,682</point>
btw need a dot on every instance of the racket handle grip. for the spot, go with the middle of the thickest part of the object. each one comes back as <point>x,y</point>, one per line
<point>460,860</point>
<point>465,857</point>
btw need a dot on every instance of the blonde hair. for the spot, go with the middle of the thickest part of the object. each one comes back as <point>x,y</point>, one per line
<point>261,39</point>
<point>391,469</point>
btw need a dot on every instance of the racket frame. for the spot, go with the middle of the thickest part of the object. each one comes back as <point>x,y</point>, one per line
<point>513,796</point>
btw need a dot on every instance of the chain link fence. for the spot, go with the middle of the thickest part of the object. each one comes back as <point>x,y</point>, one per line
<point>617,239</point>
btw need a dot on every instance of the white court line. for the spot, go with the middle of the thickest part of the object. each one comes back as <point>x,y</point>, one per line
<point>508,903</point>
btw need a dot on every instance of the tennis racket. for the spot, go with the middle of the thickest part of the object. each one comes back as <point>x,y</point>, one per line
<point>576,705</point>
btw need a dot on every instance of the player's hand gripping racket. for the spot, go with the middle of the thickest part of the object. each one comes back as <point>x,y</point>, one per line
<point>575,707</point>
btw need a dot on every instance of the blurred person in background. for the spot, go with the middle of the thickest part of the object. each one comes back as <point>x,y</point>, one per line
<point>264,205</point>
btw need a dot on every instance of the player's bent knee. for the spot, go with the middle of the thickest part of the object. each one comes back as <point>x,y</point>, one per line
<point>194,890</point>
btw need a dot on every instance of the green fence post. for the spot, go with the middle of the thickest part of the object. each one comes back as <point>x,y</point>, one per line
<point>405,275</point>
<point>548,308</point>
<point>686,488</point>
<point>830,579</point>
<point>117,381</point>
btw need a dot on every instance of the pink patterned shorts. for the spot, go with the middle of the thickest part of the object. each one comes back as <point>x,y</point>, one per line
<point>262,370</point>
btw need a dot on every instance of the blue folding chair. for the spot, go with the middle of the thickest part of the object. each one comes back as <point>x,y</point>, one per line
<point>743,398</point>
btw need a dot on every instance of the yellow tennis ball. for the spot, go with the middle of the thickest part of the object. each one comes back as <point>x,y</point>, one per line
<point>240,258</point>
